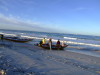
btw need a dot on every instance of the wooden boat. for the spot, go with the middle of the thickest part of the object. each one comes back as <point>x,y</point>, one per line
<point>16,39</point>
<point>53,47</point>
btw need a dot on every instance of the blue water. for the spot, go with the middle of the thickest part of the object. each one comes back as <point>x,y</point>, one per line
<point>77,43</point>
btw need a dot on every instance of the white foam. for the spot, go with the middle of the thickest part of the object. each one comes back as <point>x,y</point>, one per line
<point>6,34</point>
<point>70,38</point>
<point>83,44</point>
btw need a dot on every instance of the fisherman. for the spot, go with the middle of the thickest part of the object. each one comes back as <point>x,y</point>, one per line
<point>63,44</point>
<point>58,44</point>
<point>40,44</point>
<point>43,41</point>
<point>1,37</point>
<point>50,43</point>
<point>2,72</point>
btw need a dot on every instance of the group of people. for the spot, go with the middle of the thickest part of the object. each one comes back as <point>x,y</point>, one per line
<point>43,41</point>
<point>58,43</point>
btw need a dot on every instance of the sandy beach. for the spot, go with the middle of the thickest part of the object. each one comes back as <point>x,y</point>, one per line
<point>27,59</point>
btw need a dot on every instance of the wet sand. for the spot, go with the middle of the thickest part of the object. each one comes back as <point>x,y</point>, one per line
<point>27,59</point>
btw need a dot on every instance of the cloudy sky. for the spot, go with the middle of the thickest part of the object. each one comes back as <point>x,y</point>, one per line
<point>62,16</point>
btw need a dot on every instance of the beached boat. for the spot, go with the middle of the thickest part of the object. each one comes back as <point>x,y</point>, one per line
<point>16,39</point>
<point>53,47</point>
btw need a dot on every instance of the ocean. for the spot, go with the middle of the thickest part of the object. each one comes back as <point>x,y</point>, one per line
<point>85,44</point>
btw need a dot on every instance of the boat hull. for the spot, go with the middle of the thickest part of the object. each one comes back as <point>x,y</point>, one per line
<point>15,39</point>
<point>53,47</point>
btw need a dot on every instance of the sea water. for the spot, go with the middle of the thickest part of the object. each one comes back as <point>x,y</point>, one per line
<point>86,44</point>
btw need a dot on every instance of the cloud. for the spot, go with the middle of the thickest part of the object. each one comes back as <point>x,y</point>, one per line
<point>11,22</point>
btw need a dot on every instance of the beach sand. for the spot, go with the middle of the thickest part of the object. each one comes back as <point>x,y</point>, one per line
<point>27,59</point>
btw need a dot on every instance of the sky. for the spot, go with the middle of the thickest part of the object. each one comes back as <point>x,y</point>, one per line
<point>61,16</point>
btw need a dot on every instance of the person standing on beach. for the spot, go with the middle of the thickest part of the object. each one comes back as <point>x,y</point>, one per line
<point>63,44</point>
<point>1,37</point>
<point>50,43</point>
<point>2,72</point>
<point>40,44</point>
<point>58,44</point>
<point>43,41</point>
